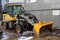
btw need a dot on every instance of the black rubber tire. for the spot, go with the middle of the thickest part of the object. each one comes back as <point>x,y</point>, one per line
<point>4,24</point>
<point>18,28</point>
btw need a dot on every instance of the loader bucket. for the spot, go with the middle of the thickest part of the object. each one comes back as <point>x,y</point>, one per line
<point>41,27</point>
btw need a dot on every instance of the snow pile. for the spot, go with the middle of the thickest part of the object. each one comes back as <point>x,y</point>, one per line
<point>25,38</point>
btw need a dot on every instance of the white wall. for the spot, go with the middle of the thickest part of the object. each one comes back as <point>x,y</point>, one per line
<point>3,2</point>
<point>31,1</point>
<point>13,1</point>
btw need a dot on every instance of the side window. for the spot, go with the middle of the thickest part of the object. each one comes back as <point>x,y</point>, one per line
<point>16,10</point>
<point>31,1</point>
<point>18,0</point>
<point>7,1</point>
<point>10,10</point>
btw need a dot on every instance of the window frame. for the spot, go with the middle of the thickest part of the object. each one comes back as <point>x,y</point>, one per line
<point>30,1</point>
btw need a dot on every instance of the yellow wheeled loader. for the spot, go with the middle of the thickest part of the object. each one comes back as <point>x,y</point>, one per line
<point>16,18</point>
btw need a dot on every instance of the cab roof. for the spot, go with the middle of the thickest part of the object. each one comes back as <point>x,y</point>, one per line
<point>13,4</point>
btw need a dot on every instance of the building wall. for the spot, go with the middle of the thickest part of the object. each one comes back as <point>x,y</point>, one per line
<point>0,10</point>
<point>3,3</point>
<point>45,15</point>
<point>0,6</point>
<point>42,4</point>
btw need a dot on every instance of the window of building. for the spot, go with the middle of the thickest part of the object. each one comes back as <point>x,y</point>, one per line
<point>31,1</point>
<point>7,1</point>
<point>18,0</point>
<point>15,1</point>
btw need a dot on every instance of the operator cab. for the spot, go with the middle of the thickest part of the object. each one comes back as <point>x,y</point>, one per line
<point>14,9</point>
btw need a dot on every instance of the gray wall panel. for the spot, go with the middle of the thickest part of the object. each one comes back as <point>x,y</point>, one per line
<point>47,16</point>
<point>37,5</point>
<point>42,4</point>
<point>44,15</point>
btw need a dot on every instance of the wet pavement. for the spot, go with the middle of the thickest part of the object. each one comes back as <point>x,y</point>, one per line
<point>54,36</point>
<point>14,36</point>
<point>10,35</point>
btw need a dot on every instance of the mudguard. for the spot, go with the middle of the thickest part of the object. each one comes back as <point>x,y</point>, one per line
<point>7,17</point>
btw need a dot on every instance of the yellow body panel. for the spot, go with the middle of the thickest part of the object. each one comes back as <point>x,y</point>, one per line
<point>38,26</point>
<point>7,17</point>
<point>14,18</point>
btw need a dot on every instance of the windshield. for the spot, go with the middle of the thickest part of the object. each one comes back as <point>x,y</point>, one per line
<point>13,10</point>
